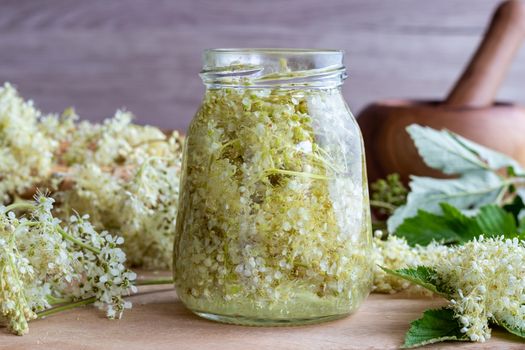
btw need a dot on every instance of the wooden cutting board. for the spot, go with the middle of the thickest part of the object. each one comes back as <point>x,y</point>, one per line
<point>159,321</point>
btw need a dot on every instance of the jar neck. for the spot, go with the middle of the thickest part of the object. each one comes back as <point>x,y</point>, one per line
<point>273,68</point>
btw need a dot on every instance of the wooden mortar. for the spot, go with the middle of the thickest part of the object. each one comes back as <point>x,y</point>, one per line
<point>469,109</point>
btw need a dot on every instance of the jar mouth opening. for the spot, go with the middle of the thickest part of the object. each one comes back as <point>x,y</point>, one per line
<point>287,67</point>
<point>279,51</point>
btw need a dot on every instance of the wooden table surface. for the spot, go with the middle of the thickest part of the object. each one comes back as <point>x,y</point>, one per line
<point>159,321</point>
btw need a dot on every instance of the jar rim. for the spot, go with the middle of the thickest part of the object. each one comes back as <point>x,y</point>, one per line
<point>275,50</point>
<point>265,67</point>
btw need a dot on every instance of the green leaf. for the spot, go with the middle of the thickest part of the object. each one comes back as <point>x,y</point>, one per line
<point>479,183</point>
<point>466,226</point>
<point>520,332</point>
<point>423,276</point>
<point>453,154</point>
<point>471,191</point>
<point>494,221</point>
<point>515,207</point>
<point>453,227</point>
<point>450,227</point>
<point>425,228</point>
<point>435,326</point>
<point>495,160</point>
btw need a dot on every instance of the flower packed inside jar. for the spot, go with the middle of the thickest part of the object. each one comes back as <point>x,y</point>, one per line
<point>273,218</point>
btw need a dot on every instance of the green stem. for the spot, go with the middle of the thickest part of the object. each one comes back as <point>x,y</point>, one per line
<point>146,142</point>
<point>56,301</point>
<point>66,307</point>
<point>501,195</point>
<point>77,241</point>
<point>31,223</point>
<point>65,235</point>
<point>297,173</point>
<point>384,205</point>
<point>518,180</point>
<point>20,205</point>
<point>154,281</point>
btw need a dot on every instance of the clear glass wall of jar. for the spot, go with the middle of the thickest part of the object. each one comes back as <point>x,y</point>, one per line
<point>274,224</point>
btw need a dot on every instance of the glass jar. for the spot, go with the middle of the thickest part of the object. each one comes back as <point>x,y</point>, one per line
<point>273,224</point>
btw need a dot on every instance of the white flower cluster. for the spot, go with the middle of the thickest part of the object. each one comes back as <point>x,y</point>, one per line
<point>25,151</point>
<point>43,264</point>
<point>395,253</point>
<point>104,272</point>
<point>15,273</point>
<point>125,176</point>
<point>127,180</point>
<point>487,276</point>
<point>141,208</point>
<point>115,141</point>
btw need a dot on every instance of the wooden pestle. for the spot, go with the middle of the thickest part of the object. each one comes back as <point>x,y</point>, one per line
<point>469,110</point>
<point>480,82</point>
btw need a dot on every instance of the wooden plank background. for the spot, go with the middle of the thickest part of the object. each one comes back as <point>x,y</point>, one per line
<point>99,55</point>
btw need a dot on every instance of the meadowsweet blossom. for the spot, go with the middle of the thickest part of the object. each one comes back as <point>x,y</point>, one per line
<point>487,276</point>
<point>15,272</point>
<point>45,262</point>
<point>101,274</point>
<point>114,141</point>
<point>25,152</point>
<point>141,208</point>
<point>125,176</point>
<point>395,253</point>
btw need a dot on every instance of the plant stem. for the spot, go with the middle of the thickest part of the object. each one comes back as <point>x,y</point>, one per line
<point>383,205</point>
<point>20,205</point>
<point>77,241</point>
<point>56,301</point>
<point>501,195</point>
<point>147,142</point>
<point>65,235</point>
<point>515,181</point>
<point>297,173</point>
<point>66,307</point>
<point>154,281</point>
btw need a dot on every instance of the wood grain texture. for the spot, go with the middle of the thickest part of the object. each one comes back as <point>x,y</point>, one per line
<point>159,321</point>
<point>99,55</point>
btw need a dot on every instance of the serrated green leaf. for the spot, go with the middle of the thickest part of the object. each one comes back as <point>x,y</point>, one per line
<point>520,332</point>
<point>471,191</point>
<point>494,221</point>
<point>450,227</point>
<point>423,276</point>
<point>435,326</point>
<point>466,226</point>
<point>453,227</point>
<point>453,154</point>
<point>479,183</point>
<point>425,228</point>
